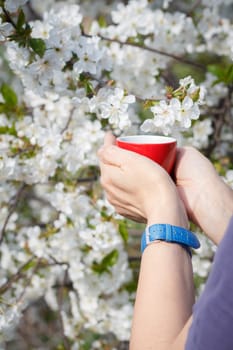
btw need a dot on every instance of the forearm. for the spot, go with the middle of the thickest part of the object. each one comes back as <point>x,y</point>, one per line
<point>214,209</point>
<point>165,297</point>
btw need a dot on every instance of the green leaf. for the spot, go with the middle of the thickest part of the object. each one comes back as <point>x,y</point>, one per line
<point>98,268</point>
<point>21,20</point>
<point>38,46</point>
<point>111,258</point>
<point>150,103</point>
<point>102,21</point>
<point>123,231</point>
<point>60,347</point>
<point>230,74</point>
<point>217,81</point>
<point>29,265</point>
<point>108,261</point>
<point>89,338</point>
<point>89,88</point>
<point>131,286</point>
<point>8,130</point>
<point>2,107</point>
<point>9,95</point>
<point>216,70</point>
<point>223,73</point>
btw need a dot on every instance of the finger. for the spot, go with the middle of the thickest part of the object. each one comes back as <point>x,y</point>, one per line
<point>110,155</point>
<point>125,209</point>
<point>117,156</point>
<point>109,139</point>
<point>118,199</point>
<point>107,155</point>
<point>179,154</point>
<point>130,215</point>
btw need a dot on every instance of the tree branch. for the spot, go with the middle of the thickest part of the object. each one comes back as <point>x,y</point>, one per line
<point>60,303</point>
<point>8,18</point>
<point>193,8</point>
<point>11,211</point>
<point>14,278</point>
<point>28,280</point>
<point>221,115</point>
<point>150,49</point>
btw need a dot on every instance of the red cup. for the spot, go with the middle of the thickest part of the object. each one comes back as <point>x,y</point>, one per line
<point>161,149</point>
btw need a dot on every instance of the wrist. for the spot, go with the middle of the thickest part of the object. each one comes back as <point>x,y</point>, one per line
<point>169,210</point>
<point>171,234</point>
<point>215,210</point>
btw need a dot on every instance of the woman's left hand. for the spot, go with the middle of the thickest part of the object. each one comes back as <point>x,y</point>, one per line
<point>139,188</point>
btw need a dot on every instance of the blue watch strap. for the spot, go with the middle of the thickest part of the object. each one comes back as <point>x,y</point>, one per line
<point>169,233</point>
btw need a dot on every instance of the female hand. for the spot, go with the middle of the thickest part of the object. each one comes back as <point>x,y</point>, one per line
<point>139,188</point>
<point>207,199</point>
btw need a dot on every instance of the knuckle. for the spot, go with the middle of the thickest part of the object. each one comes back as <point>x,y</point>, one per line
<point>110,199</point>
<point>120,211</point>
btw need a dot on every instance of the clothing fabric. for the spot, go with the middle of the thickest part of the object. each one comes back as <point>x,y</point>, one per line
<point>212,326</point>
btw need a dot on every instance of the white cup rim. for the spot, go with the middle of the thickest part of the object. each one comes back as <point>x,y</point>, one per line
<point>146,139</point>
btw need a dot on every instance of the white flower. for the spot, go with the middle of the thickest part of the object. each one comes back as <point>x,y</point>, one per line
<point>65,18</point>
<point>10,318</point>
<point>38,168</point>
<point>186,82</point>
<point>89,54</point>
<point>192,90</point>
<point>5,30</point>
<point>35,243</point>
<point>147,125</point>
<point>166,3</point>
<point>201,132</point>
<point>13,5</point>
<point>201,267</point>
<point>51,299</point>
<point>185,111</point>
<point>163,114</point>
<point>214,92</point>
<point>18,58</point>
<point>229,178</point>
<point>132,19</point>
<point>75,309</point>
<point>7,167</point>
<point>168,114</point>
<point>112,105</point>
<point>69,325</point>
<point>40,29</point>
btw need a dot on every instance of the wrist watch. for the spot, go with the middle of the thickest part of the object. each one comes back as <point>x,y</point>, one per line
<point>169,233</point>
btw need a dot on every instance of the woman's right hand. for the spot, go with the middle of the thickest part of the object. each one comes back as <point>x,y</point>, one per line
<point>207,199</point>
<point>139,188</point>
